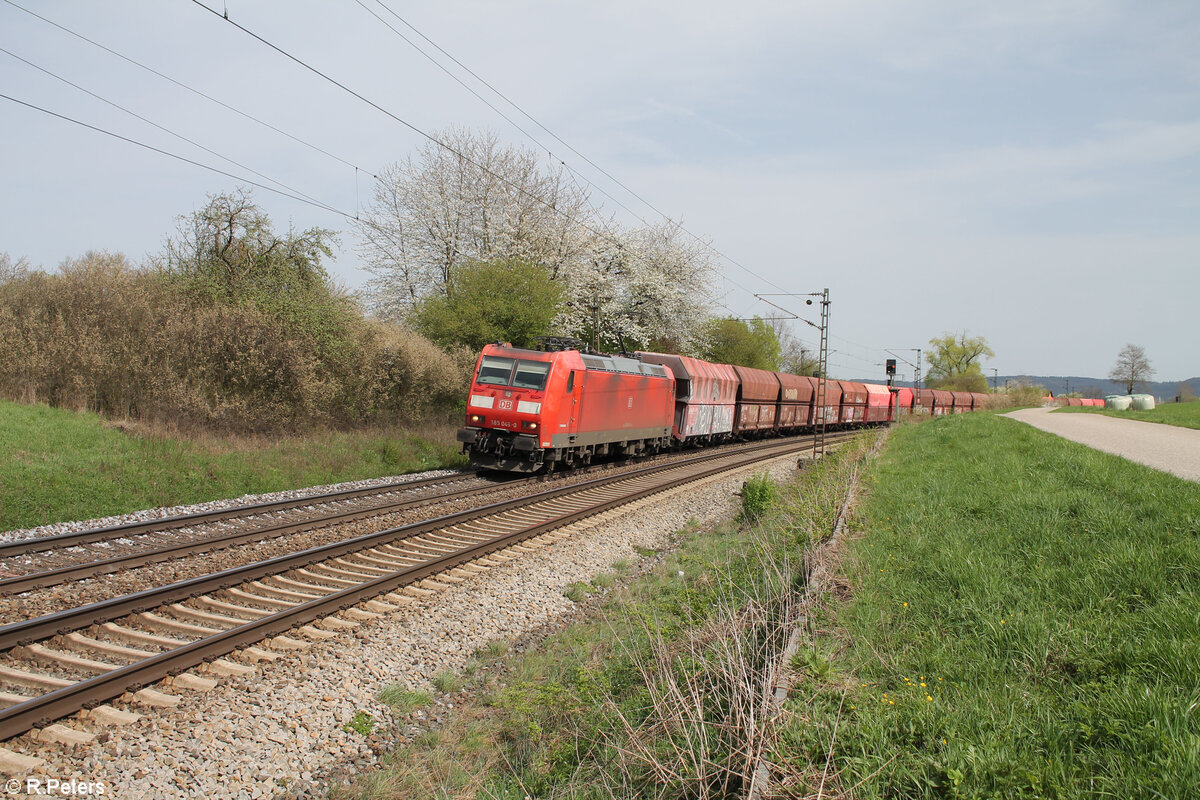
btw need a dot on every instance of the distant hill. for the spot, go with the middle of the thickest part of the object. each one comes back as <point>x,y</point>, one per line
<point>1089,387</point>
<point>1098,387</point>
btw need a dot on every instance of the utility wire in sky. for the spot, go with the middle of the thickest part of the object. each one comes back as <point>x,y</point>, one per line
<point>490,105</point>
<point>191,89</point>
<point>181,137</point>
<point>402,121</point>
<point>572,172</point>
<point>178,157</point>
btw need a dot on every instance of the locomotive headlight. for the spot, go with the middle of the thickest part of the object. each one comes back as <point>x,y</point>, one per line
<point>476,418</point>
<point>529,426</point>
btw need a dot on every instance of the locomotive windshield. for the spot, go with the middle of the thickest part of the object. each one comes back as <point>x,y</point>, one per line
<point>531,375</point>
<point>510,372</point>
<point>495,370</point>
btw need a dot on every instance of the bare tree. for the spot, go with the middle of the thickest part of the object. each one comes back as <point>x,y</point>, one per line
<point>229,250</point>
<point>1132,367</point>
<point>11,270</point>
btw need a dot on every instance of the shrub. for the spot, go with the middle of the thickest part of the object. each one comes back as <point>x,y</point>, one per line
<point>103,335</point>
<point>758,495</point>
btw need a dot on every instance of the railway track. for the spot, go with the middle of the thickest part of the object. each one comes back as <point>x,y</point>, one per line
<point>58,664</point>
<point>37,563</point>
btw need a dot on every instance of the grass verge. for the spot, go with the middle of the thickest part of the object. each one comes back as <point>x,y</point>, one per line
<point>1184,415</point>
<point>1023,623</point>
<point>657,692</point>
<point>64,465</point>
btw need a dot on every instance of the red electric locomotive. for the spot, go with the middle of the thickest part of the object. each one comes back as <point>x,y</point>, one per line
<point>533,409</point>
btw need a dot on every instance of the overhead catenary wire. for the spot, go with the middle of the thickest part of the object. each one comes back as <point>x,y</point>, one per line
<point>191,89</point>
<point>505,117</point>
<point>314,201</point>
<point>430,137</point>
<point>176,156</point>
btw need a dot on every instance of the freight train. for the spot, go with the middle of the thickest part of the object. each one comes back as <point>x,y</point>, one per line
<point>534,410</point>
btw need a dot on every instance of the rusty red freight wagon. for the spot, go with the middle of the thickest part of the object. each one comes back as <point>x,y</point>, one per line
<point>924,402</point>
<point>530,409</point>
<point>705,397</point>
<point>963,402</point>
<point>795,401</point>
<point>879,403</point>
<point>757,400</point>
<point>854,403</point>
<point>828,410</point>
<point>904,398</point>
<point>943,402</point>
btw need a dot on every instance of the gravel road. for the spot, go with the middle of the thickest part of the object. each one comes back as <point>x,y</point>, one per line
<point>1164,447</point>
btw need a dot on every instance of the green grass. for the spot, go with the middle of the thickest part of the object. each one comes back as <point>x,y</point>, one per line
<point>361,723</point>
<point>1024,622</point>
<point>447,682</point>
<point>402,699</point>
<point>62,465</point>
<point>1185,415</point>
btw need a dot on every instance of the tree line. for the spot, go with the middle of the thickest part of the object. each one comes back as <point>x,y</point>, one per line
<point>236,323</point>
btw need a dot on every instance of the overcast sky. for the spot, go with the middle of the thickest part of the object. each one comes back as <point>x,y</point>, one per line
<point>1025,171</point>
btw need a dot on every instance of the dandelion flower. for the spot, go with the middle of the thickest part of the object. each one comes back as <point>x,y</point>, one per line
<point>906,605</point>
<point>922,684</point>
<point>928,699</point>
<point>891,702</point>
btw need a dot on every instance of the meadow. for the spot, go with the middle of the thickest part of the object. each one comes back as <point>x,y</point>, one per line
<point>1022,622</point>
<point>63,465</point>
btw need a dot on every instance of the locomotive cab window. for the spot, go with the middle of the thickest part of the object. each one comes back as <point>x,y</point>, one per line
<point>531,375</point>
<point>497,371</point>
<point>571,382</point>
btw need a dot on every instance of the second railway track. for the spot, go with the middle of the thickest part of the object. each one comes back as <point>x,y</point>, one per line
<point>148,545</point>
<point>54,665</point>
